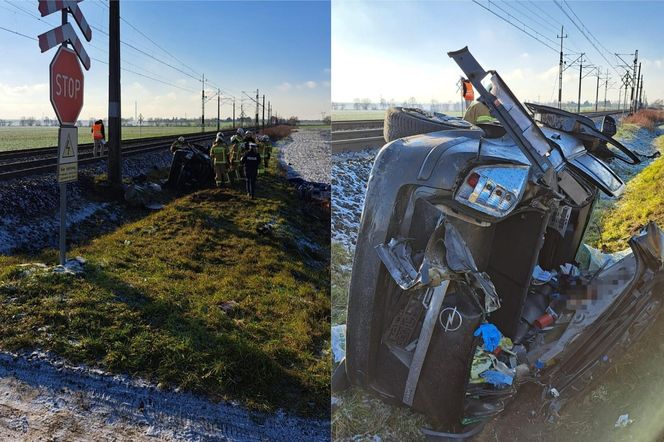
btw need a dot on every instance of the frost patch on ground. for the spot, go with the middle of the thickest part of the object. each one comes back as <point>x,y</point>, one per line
<point>16,233</point>
<point>350,173</point>
<point>29,213</point>
<point>41,396</point>
<point>306,153</point>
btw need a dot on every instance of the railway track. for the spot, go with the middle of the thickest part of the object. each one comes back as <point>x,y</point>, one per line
<point>350,136</point>
<point>27,162</point>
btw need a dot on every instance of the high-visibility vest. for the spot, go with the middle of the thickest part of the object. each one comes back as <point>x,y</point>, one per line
<point>468,93</point>
<point>96,132</point>
<point>219,154</point>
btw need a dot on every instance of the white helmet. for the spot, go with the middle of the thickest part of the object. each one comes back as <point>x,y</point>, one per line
<point>249,133</point>
<point>181,139</point>
<point>219,138</point>
<point>240,132</point>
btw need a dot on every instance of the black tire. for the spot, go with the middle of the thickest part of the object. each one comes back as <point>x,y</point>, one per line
<point>403,122</point>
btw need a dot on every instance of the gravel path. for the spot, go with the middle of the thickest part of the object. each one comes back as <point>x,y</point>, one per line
<point>42,398</point>
<point>306,153</point>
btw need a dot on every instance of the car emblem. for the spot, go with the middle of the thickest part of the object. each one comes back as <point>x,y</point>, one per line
<point>450,319</point>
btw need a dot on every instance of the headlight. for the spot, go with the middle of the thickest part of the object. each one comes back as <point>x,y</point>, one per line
<point>494,190</point>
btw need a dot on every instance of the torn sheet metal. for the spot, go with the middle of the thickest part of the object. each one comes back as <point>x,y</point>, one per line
<point>446,257</point>
<point>396,255</point>
<point>651,242</point>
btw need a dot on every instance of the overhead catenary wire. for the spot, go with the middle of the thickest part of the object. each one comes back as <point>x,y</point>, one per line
<point>516,26</point>
<point>585,35</point>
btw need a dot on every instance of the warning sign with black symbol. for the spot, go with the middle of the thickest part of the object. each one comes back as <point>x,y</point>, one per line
<point>67,154</point>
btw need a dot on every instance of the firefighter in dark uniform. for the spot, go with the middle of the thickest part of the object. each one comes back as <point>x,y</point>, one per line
<point>251,160</point>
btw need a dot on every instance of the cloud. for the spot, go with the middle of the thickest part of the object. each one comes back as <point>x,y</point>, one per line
<point>285,86</point>
<point>311,84</point>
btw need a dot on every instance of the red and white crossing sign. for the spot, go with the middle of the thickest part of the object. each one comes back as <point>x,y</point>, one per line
<point>66,78</point>
<point>65,33</point>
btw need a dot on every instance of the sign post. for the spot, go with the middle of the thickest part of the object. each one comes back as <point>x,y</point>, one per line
<point>66,91</point>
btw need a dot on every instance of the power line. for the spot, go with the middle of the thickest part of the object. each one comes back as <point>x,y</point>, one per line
<point>150,55</point>
<point>586,36</point>
<point>517,27</point>
<point>147,76</point>
<point>157,45</point>
<point>18,33</point>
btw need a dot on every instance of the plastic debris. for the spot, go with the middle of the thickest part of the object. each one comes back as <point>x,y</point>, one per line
<point>71,266</point>
<point>623,421</point>
<point>490,335</point>
<point>497,378</point>
<point>541,276</point>
<point>481,362</point>
<point>339,342</point>
<point>599,259</point>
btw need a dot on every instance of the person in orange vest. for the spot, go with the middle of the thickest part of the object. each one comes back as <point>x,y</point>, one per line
<point>98,138</point>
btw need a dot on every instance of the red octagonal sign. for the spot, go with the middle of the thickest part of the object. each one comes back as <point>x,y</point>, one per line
<point>66,86</point>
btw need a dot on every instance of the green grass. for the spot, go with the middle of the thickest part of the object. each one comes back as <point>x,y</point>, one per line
<point>150,302</point>
<point>39,136</point>
<point>642,201</point>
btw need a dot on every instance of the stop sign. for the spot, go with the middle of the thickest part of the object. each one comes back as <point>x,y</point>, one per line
<point>66,86</point>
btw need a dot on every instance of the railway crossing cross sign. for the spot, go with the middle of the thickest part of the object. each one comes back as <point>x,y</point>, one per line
<point>66,79</point>
<point>67,154</point>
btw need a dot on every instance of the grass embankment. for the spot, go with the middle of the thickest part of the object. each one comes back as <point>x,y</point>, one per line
<point>193,296</point>
<point>615,222</point>
<point>642,201</point>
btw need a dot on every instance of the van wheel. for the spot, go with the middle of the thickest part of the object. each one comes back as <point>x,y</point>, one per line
<point>403,122</point>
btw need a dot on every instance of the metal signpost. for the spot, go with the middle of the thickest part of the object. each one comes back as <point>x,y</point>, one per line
<point>66,91</point>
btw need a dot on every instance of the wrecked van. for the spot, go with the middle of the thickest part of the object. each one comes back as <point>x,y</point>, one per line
<point>464,282</point>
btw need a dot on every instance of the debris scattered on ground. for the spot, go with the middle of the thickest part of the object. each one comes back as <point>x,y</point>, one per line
<point>71,266</point>
<point>339,342</point>
<point>623,421</point>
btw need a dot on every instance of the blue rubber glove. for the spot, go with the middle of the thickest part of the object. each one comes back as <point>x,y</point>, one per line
<point>490,335</point>
<point>496,378</point>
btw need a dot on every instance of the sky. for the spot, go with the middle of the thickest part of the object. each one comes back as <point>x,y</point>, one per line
<point>398,50</point>
<point>280,48</point>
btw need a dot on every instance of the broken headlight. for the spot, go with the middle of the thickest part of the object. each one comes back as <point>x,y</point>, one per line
<point>494,190</point>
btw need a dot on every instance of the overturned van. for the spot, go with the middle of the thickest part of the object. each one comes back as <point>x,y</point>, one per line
<point>464,284</point>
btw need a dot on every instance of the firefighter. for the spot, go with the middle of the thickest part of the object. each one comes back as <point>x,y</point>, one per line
<point>219,155</point>
<point>478,109</point>
<point>235,154</point>
<point>98,138</point>
<point>251,161</point>
<point>266,150</point>
<point>179,143</point>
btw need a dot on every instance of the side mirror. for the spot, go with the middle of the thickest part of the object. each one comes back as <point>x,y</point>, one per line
<point>608,126</point>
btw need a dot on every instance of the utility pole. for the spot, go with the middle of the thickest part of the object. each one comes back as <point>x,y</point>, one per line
<point>560,67</point>
<point>233,112</point>
<point>631,101</point>
<point>597,91</point>
<point>263,111</point>
<point>641,91</point>
<point>269,113</point>
<point>218,109</point>
<point>606,86</point>
<point>638,84</point>
<point>578,105</point>
<point>114,114</point>
<point>242,113</point>
<point>256,108</point>
<point>203,104</point>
